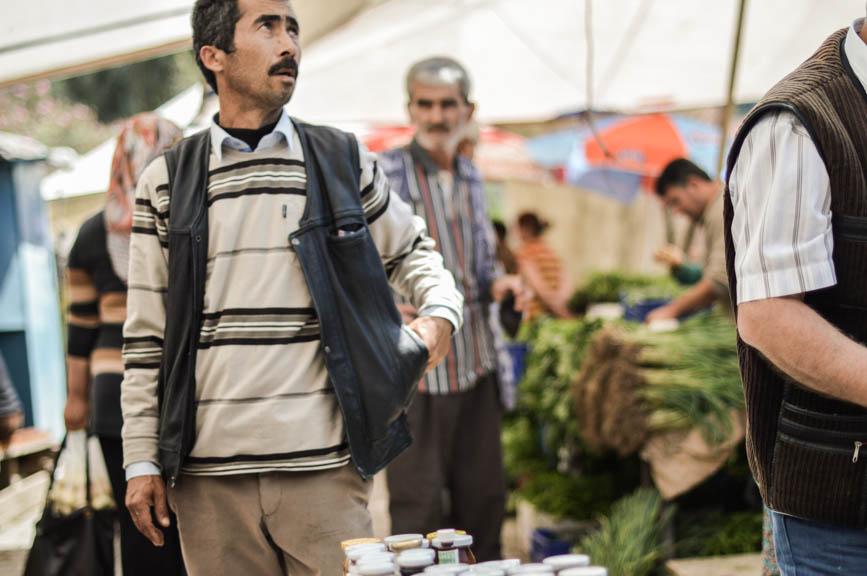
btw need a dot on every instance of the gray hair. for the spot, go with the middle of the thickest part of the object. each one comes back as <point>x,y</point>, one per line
<point>439,70</point>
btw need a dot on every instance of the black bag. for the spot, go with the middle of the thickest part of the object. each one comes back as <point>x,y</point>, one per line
<point>76,544</point>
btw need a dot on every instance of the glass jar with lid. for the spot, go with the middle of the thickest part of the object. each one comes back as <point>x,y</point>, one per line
<point>540,569</point>
<point>447,569</point>
<point>401,542</point>
<point>453,548</point>
<point>585,571</point>
<point>566,561</point>
<point>415,561</point>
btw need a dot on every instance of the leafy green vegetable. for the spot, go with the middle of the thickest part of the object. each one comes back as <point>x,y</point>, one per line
<point>691,375</point>
<point>628,540</point>
<point>610,286</point>
<point>712,532</point>
<point>570,496</point>
<point>556,353</point>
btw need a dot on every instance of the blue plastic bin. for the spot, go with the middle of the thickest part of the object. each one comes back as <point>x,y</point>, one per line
<point>546,543</point>
<point>638,312</point>
<point>518,352</point>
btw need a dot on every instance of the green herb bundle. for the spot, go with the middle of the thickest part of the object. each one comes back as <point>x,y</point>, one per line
<point>611,286</point>
<point>637,381</point>
<point>556,354</point>
<point>628,540</point>
<point>691,375</point>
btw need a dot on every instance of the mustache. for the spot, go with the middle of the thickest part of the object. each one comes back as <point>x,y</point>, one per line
<point>286,64</point>
<point>442,128</point>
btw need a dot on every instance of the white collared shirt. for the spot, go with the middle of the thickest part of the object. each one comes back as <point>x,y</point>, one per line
<point>782,228</point>
<point>283,131</point>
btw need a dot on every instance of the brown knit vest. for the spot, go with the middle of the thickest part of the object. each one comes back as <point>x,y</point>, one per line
<point>802,447</point>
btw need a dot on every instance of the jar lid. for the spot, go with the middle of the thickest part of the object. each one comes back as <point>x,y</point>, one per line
<point>487,571</point>
<point>376,569</point>
<point>356,541</point>
<point>446,535</point>
<point>401,542</point>
<point>416,558</point>
<point>564,561</point>
<point>464,541</point>
<point>458,541</point>
<point>359,550</point>
<point>376,557</point>
<point>446,569</point>
<point>531,569</point>
<point>586,571</point>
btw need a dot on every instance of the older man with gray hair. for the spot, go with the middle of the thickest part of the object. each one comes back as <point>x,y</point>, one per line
<point>456,417</point>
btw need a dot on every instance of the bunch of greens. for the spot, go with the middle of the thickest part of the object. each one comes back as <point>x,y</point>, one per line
<point>691,375</point>
<point>636,381</point>
<point>717,533</point>
<point>522,454</point>
<point>611,286</point>
<point>628,540</point>
<point>573,496</point>
<point>557,349</point>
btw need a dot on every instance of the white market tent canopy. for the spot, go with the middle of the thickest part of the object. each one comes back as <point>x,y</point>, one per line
<point>528,59</point>
<point>56,38</point>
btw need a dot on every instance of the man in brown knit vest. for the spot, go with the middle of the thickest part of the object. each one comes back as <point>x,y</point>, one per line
<point>796,251</point>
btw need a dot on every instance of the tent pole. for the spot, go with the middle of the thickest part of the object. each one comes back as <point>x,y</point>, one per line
<point>727,111</point>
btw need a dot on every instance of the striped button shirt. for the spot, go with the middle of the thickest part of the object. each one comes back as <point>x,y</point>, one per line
<point>781,195</point>
<point>263,398</point>
<point>453,205</point>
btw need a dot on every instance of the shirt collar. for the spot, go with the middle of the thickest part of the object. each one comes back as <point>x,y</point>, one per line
<point>220,138</point>
<point>856,51</point>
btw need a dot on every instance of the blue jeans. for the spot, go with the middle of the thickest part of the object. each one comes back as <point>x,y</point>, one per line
<point>806,548</point>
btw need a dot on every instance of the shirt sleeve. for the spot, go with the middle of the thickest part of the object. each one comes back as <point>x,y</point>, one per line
<point>414,267</point>
<point>146,317</point>
<point>82,316</point>
<point>781,195</point>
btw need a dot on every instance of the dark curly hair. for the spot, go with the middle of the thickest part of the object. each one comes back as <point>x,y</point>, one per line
<point>532,223</point>
<point>213,24</point>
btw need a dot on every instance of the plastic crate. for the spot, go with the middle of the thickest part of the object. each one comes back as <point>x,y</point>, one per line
<point>518,351</point>
<point>639,311</point>
<point>546,542</point>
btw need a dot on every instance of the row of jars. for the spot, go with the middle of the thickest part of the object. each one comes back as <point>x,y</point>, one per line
<point>448,551</point>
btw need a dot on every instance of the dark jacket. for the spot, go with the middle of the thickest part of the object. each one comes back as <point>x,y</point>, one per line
<point>805,448</point>
<point>373,360</point>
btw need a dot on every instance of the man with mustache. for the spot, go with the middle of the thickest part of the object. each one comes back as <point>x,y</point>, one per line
<point>456,417</point>
<point>262,337</point>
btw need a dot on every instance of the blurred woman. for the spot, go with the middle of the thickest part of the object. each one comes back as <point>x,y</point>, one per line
<point>542,270</point>
<point>96,278</point>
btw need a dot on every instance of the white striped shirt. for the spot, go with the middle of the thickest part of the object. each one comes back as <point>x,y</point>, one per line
<point>781,195</point>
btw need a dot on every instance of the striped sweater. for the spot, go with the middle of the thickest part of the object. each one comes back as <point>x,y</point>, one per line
<point>263,398</point>
<point>97,308</point>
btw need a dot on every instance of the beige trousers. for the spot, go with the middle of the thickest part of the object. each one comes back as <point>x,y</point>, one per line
<point>270,524</point>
